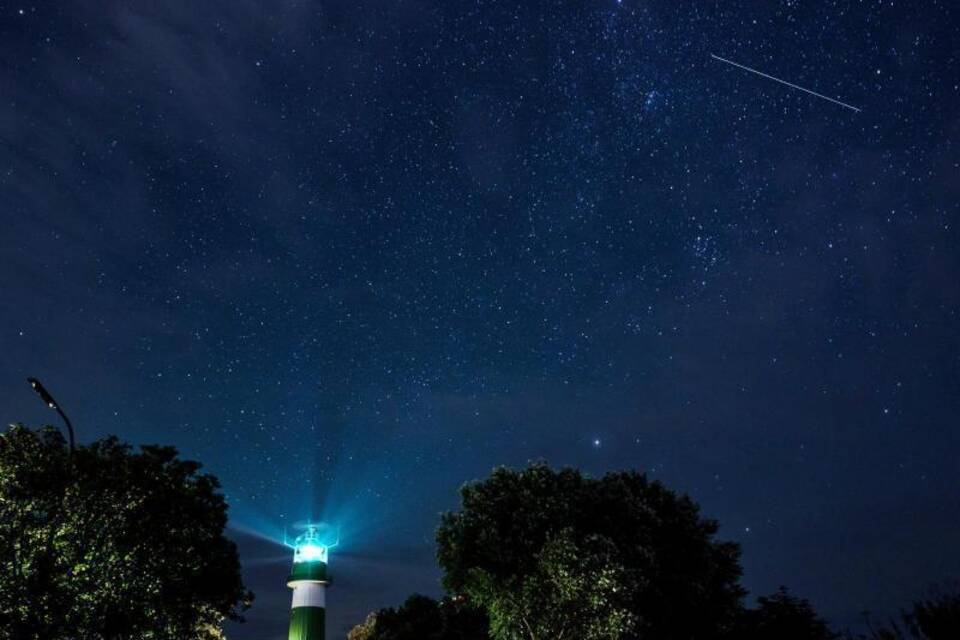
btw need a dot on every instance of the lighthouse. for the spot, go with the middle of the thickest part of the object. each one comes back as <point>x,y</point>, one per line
<point>309,580</point>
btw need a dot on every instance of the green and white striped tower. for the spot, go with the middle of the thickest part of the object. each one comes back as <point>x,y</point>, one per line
<point>309,580</point>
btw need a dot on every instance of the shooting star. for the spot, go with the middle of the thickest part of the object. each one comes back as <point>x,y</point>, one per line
<point>789,84</point>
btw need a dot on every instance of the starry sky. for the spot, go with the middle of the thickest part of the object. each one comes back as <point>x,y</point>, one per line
<point>353,254</point>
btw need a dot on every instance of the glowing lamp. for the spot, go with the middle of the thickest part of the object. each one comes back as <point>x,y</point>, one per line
<point>310,553</point>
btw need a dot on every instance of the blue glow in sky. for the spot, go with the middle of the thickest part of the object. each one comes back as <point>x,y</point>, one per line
<point>352,255</point>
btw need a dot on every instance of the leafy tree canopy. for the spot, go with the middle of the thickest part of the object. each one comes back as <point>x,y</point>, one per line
<point>110,543</point>
<point>575,590</point>
<point>423,618</point>
<point>782,616</point>
<point>935,616</point>
<point>554,554</point>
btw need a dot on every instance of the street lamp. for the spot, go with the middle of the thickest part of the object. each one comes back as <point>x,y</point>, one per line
<point>50,402</point>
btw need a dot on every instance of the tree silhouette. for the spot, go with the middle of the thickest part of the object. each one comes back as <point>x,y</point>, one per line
<point>935,616</point>
<point>423,618</point>
<point>782,616</point>
<point>554,554</point>
<point>108,543</point>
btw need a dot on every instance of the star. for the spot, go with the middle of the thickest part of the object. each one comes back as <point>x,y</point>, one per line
<point>382,255</point>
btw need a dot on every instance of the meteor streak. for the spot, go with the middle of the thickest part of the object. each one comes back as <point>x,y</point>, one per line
<point>789,84</point>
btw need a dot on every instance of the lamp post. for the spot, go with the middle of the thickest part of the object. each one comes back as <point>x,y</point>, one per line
<point>52,403</point>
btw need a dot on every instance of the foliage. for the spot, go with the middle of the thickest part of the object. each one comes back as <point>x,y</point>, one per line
<point>782,616</point>
<point>423,618</point>
<point>936,616</point>
<point>109,543</point>
<point>366,630</point>
<point>574,591</point>
<point>524,543</point>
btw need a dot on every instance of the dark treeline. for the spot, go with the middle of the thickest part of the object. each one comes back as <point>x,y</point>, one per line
<point>106,542</point>
<point>544,554</point>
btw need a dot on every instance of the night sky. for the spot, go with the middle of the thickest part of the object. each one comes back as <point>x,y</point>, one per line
<point>351,254</point>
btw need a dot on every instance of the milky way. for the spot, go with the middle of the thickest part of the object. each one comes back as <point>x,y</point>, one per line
<point>353,254</point>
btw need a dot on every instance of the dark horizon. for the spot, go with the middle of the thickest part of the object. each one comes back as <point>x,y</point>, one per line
<point>352,255</point>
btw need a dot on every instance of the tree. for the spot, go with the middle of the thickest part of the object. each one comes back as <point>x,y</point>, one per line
<point>782,616</point>
<point>935,616</point>
<point>574,591</point>
<point>423,618</point>
<point>524,543</point>
<point>366,630</point>
<point>108,543</point>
